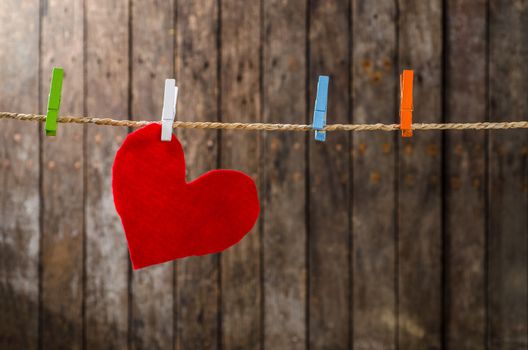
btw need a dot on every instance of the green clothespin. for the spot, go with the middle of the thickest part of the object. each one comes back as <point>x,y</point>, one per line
<point>54,100</point>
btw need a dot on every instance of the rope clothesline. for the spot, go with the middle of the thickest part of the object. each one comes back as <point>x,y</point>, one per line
<point>270,126</point>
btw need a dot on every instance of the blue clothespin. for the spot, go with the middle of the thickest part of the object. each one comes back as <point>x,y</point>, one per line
<point>319,116</point>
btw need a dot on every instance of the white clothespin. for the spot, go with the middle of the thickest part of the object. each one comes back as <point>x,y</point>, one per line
<point>170,98</point>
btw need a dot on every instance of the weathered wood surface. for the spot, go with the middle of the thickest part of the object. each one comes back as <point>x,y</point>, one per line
<point>366,241</point>
<point>374,80</point>
<point>284,192</point>
<point>508,178</point>
<point>241,102</point>
<point>329,311</point>
<point>62,196</point>
<point>420,182</point>
<point>151,299</point>
<point>107,93</point>
<point>465,177</point>
<point>197,66</point>
<point>19,176</point>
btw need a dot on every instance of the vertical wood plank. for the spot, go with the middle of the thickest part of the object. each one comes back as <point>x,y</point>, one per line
<point>284,221</point>
<point>465,162</point>
<point>107,264</point>
<point>62,180</point>
<point>19,176</point>
<point>329,185</point>
<point>240,92</point>
<point>508,177</point>
<point>373,222</point>
<point>152,63</point>
<point>197,298</point>
<point>420,181</point>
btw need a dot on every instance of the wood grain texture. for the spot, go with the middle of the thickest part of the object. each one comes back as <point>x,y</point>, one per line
<point>107,263</point>
<point>420,181</point>
<point>197,298</point>
<point>19,176</point>
<point>62,196</point>
<point>374,81</point>
<point>465,182</point>
<point>151,310</point>
<point>240,102</point>
<point>355,262</point>
<point>508,177</point>
<point>284,220</point>
<point>329,182</point>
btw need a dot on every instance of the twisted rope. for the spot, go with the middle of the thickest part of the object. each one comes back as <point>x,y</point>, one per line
<point>270,126</point>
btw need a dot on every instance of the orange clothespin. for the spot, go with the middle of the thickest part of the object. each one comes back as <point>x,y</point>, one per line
<point>406,103</point>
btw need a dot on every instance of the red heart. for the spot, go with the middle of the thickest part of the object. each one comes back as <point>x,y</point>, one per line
<point>166,218</point>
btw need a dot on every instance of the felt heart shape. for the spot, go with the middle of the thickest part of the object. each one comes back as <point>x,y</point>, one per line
<point>166,218</point>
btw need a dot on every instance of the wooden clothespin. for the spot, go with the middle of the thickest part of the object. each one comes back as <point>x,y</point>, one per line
<point>406,103</point>
<point>320,107</point>
<point>54,100</point>
<point>170,98</point>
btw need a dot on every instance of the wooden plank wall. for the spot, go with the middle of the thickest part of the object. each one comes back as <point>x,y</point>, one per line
<point>367,241</point>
